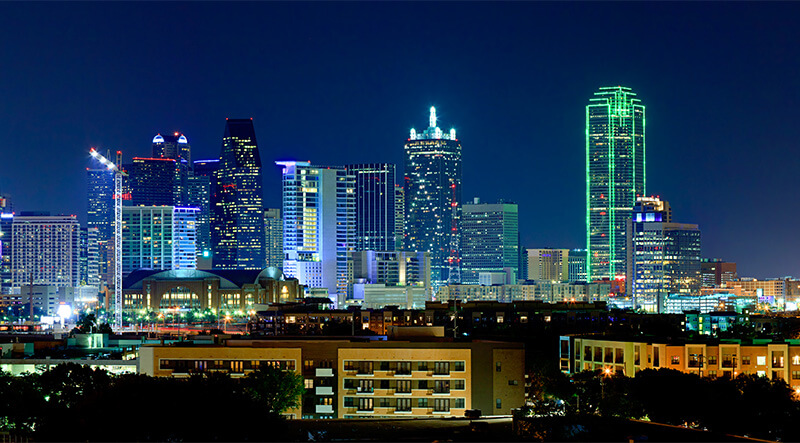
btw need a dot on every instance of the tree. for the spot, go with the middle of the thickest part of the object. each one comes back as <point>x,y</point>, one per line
<point>274,389</point>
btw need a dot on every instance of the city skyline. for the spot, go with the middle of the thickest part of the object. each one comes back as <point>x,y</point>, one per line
<point>695,147</point>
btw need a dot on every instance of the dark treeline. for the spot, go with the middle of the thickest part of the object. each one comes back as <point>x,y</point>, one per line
<point>746,405</point>
<point>72,402</point>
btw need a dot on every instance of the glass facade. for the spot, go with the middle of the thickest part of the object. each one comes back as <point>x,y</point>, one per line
<point>203,175</point>
<point>100,193</point>
<point>237,215</point>
<point>158,237</point>
<point>615,176</point>
<point>318,226</point>
<point>663,258</point>
<point>46,249</point>
<point>151,182</point>
<point>273,240</point>
<point>489,240</point>
<point>375,206</point>
<point>432,184</point>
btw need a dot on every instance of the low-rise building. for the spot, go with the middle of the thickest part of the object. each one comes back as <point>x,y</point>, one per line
<point>367,378</point>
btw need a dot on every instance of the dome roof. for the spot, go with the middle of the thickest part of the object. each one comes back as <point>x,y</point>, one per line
<point>182,139</point>
<point>158,139</point>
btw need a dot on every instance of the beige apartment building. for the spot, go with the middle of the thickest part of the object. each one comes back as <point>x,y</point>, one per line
<point>775,360</point>
<point>367,378</point>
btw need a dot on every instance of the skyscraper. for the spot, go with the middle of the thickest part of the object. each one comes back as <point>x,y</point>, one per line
<point>375,211</point>
<point>432,184</point>
<point>174,146</point>
<point>273,237</point>
<point>158,237</point>
<point>203,175</point>
<point>100,193</point>
<point>399,216</point>
<point>6,235</point>
<point>489,240</point>
<point>45,249</point>
<point>318,226</point>
<point>548,264</point>
<point>152,181</point>
<point>615,176</point>
<point>663,257</point>
<point>237,208</point>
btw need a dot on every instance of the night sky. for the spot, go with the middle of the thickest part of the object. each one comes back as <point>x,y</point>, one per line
<point>338,83</point>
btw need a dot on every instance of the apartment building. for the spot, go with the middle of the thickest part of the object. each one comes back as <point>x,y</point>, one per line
<point>723,358</point>
<point>367,378</point>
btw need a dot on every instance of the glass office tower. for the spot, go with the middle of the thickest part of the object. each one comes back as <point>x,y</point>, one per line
<point>489,240</point>
<point>615,176</point>
<point>433,198</point>
<point>375,206</point>
<point>237,224</point>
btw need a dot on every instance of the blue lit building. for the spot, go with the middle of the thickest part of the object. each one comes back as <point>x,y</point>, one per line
<point>318,226</point>
<point>375,206</point>
<point>237,202</point>
<point>201,188</point>
<point>158,237</point>
<point>432,182</point>
<point>489,240</point>
<point>100,210</point>
<point>663,257</point>
<point>152,181</point>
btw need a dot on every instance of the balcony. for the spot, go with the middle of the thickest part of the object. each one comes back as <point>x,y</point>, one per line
<point>324,409</point>
<point>441,392</point>
<point>323,390</point>
<point>323,372</point>
<point>361,390</point>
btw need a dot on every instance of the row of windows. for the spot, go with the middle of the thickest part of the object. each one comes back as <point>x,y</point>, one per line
<point>229,365</point>
<point>404,404</point>
<point>404,367</point>
<point>438,386</point>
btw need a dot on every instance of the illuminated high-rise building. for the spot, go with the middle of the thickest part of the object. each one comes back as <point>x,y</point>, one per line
<point>548,264</point>
<point>174,146</point>
<point>615,176</point>
<point>45,250</point>
<point>399,216</point>
<point>432,182</point>
<point>237,208</point>
<point>489,240</point>
<point>663,256</point>
<point>202,186</point>
<point>375,206</point>
<point>715,272</point>
<point>100,211</point>
<point>273,237</point>
<point>6,222</point>
<point>151,182</point>
<point>318,226</point>
<point>158,237</point>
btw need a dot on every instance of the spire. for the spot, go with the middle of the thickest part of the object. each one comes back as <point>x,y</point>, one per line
<point>433,117</point>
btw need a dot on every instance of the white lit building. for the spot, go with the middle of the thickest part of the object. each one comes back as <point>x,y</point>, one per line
<point>46,250</point>
<point>158,237</point>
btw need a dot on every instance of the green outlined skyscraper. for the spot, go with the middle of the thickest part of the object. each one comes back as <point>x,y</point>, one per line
<point>615,176</point>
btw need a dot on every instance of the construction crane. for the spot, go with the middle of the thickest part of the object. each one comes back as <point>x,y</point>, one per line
<point>454,261</point>
<point>118,174</point>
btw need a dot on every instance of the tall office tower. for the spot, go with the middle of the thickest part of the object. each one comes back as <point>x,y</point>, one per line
<point>577,265</point>
<point>399,216</point>
<point>205,170</point>
<point>100,193</point>
<point>92,253</point>
<point>158,237</point>
<point>83,255</point>
<point>152,181</point>
<point>174,146</point>
<point>46,249</point>
<point>489,240</point>
<point>273,237</point>
<point>237,208</point>
<point>615,176</point>
<point>663,257</point>
<point>318,226</point>
<point>6,222</point>
<point>715,272</point>
<point>548,264</point>
<point>432,183</point>
<point>375,201</point>
<point>198,196</point>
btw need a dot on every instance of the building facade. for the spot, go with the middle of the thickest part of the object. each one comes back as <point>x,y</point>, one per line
<point>158,237</point>
<point>100,193</point>
<point>715,272</point>
<point>151,182</point>
<point>318,225</point>
<point>548,264</point>
<point>615,176</point>
<point>375,206</point>
<point>432,184</point>
<point>204,172</point>
<point>663,257</point>
<point>367,379</point>
<point>174,146</point>
<point>399,216</point>
<point>489,239</point>
<point>273,234</point>
<point>237,216</point>
<point>577,265</point>
<point>45,250</point>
